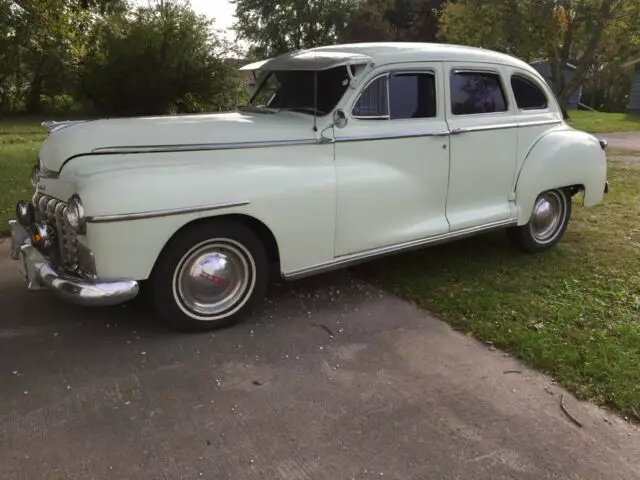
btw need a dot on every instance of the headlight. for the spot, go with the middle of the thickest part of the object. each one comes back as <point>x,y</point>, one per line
<point>75,215</point>
<point>35,172</point>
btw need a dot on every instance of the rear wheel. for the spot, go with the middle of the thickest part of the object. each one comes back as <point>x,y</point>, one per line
<point>548,223</point>
<point>210,276</point>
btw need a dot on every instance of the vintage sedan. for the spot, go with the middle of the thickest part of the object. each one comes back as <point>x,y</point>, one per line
<point>343,154</point>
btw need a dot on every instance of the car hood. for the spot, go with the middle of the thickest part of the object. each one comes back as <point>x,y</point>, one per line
<point>72,139</point>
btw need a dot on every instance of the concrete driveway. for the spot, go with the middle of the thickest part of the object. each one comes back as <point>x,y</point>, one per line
<point>394,394</point>
<point>622,140</point>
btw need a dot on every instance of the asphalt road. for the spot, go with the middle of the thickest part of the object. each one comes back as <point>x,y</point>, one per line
<point>394,394</point>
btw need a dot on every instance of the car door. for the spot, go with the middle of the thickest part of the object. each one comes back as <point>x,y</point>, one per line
<point>392,160</point>
<point>484,144</point>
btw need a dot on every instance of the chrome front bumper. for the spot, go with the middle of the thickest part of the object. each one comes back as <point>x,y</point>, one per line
<point>40,273</point>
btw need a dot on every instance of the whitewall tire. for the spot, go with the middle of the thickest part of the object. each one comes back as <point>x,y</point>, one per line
<point>209,276</point>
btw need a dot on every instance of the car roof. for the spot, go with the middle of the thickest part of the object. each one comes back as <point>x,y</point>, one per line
<point>395,52</point>
<point>381,53</point>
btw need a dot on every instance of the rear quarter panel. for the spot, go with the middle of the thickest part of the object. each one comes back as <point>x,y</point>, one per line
<point>290,189</point>
<point>560,158</point>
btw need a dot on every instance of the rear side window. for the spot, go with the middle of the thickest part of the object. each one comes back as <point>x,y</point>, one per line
<point>527,94</point>
<point>475,93</point>
<point>398,96</point>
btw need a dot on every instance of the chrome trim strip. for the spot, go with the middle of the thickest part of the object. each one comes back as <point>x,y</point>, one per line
<point>535,123</point>
<point>44,173</point>
<point>504,126</point>
<point>124,217</point>
<point>391,136</point>
<point>372,117</point>
<point>484,128</point>
<point>354,258</point>
<point>200,146</point>
<point>454,70</point>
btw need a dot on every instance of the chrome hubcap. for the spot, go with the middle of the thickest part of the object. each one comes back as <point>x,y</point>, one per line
<point>547,216</point>
<point>214,279</point>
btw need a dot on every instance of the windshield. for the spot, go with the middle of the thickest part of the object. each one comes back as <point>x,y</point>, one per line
<point>293,90</point>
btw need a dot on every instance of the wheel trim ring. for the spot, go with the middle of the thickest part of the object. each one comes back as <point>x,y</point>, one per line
<point>242,299</point>
<point>552,200</point>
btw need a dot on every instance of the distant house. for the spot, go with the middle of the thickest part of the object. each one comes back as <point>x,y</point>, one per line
<point>542,66</point>
<point>633,107</point>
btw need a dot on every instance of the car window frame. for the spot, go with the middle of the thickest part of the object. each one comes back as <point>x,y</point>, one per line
<point>535,83</point>
<point>506,92</point>
<point>388,74</point>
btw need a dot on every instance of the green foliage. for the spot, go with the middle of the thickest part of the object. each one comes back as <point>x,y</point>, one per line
<point>41,43</point>
<point>585,33</point>
<point>393,20</point>
<point>162,59</point>
<point>59,104</point>
<point>61,56</point>
<point>278,26</point>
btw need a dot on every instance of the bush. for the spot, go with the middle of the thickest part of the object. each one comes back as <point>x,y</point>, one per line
<point>59,104</point>
<point>161,60</point>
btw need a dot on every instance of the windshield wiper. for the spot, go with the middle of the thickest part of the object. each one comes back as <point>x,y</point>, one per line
<point>256,109</point>
<point>304,109</point>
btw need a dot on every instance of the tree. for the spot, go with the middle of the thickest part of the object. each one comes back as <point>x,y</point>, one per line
<point>162,59</point>
<point>393,20</point>
<point>563,31</point>
<point>369,23</point>
<point>278,26</point>
<point>41,43</point>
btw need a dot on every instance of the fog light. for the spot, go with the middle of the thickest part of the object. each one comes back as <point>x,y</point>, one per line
<point>35,174</point>
<point>75,215</point>
<point>26,213</point>
<point>44,237</point>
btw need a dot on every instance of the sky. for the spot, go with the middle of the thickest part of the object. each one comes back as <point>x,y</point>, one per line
<point>221,10</point>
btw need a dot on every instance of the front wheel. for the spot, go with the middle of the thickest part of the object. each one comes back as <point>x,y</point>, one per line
<point>210,276</point>
<point>548,223</point>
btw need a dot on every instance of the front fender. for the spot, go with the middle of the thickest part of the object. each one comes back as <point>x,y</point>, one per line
<point>561,158</point>
<point>291,190</point>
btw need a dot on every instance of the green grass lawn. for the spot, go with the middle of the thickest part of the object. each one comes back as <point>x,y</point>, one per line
<point>599,122</point>
<point>19,145</point>
<point>573,312</point>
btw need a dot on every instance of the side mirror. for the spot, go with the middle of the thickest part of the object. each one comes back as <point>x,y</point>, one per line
<point>339,119</point>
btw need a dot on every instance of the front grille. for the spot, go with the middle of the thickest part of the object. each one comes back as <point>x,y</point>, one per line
<point>52,211</point>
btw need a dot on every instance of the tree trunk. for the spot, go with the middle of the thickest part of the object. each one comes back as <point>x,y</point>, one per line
<point>34,105</point>
<point>586,60</point>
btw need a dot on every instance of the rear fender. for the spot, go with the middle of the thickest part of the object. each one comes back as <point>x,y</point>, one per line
<point>561,158</point>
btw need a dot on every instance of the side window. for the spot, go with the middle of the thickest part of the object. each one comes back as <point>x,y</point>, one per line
<point>398,96</point>
<point>528,95</point>
<point>373,102</point>
<point>476,93</point>
<point>412,95</point>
